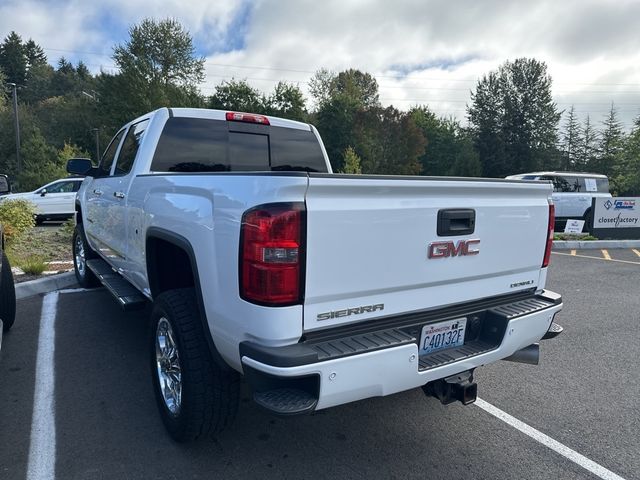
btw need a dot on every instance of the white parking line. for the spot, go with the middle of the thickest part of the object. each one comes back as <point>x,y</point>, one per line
<point>42,451</point>
<point>549,442</point>
<point>76,290</point>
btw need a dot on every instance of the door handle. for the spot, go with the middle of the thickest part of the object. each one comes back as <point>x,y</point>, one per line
<point>118,194</point>
<point>97,192</point>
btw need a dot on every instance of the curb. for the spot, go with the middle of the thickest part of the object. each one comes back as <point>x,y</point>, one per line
<point>45,285</point>
<point>594,244</point>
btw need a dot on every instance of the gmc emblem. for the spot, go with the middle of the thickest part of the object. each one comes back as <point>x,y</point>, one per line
<point>449,249</point>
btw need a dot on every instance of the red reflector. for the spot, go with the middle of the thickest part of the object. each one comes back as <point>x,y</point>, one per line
<point>247,117</point>
<point>552,221</point>
<point>271,254</point>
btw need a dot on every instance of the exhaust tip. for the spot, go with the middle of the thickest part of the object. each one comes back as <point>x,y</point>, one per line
<point>529,355</point>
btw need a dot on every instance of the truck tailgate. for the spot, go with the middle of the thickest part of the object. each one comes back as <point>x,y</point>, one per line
<point>368,242</point>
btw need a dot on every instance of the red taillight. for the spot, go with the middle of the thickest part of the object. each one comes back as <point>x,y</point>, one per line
<point>552,221</point>
<point>272,254</point>
<point>247,117</point>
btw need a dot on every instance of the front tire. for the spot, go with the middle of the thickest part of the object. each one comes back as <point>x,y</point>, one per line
<point>7,295</point>
<point>196,396</point>
<point>81,253</point>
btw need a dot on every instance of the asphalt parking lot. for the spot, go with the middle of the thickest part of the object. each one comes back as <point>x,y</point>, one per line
<point>101,422</point>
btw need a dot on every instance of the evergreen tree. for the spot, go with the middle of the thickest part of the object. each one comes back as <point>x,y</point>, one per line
<point>13,61</point>
<point>627,180</point>
<point>610,146</point>
<point>351,162</point>
<point>587,146</point>
<point>570,143</point>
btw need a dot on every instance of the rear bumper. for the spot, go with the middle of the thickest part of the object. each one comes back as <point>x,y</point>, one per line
<point>345,374</point>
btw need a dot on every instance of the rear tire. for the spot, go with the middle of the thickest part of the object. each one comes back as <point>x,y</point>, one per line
<point>199,396</point>
<point>81,253</point>
<point>7,295</point>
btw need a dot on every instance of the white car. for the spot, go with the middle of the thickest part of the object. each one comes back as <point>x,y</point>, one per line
<point>572,192</point>
<point>54,201</point>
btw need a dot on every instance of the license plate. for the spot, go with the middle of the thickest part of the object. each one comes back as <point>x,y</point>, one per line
<point>442,335</point>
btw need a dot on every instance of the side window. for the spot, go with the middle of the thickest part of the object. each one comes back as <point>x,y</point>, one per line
<point>61,187</point>
<point>565,184</point>
<point>557,185</point>
<point>110,153</point>
<point>130,147</point>
<point>76,186</point>
<point>603,185</point>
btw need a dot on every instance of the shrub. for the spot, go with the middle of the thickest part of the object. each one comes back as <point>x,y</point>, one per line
<point>33,265</point>
<point>67,228</point>
<point>17,218</point>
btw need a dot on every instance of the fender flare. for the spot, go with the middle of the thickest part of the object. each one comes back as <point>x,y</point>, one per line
<point>184,244</point>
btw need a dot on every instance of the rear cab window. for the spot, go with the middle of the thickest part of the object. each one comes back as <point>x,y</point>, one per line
<point>205,145</point>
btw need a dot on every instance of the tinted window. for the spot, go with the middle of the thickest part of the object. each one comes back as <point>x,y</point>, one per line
<point>293,149</point>
<point>110,153</point>
<point>130,147</point>
<point>566,184</point>
<point>192,145</point>
<point>201,145</point>
<point>248,151</point>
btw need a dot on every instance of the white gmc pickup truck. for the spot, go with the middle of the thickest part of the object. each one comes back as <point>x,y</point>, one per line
<point>319,289</point>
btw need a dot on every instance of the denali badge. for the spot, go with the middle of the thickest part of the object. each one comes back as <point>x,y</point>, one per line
<point>449,249</point>
<point>350,311</point>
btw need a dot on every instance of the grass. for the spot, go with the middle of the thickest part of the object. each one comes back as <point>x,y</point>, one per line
<point>47,244</point>
<point>573,236</point>
<point>33,265</point>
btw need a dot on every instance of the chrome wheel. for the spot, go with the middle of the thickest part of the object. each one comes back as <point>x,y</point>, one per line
<point>168,366</point>
<point>79,256</point>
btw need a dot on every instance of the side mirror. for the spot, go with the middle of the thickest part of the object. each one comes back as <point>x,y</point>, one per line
<point>43,192</point>
<point>5,185</point>
<point>79,166</point>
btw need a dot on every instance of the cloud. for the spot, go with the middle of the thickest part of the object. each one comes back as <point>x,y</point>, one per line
<point>420,51</point>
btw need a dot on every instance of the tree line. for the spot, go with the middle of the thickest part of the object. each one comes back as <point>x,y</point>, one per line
<point>512,126</point>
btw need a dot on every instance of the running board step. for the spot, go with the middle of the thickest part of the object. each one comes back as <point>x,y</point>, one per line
<point>286,401</point>
<point>554,330</point>
<point>128,297</point>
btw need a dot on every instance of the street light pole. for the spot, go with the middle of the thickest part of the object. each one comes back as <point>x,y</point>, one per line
<point>17,124</point>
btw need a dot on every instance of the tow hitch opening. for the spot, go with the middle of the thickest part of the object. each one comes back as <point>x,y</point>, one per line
<point>460,387</point>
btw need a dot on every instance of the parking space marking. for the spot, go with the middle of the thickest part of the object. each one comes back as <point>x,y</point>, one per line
<point>42,450</point>
<point>76,290</point>
<point>637,252</point>
<point>549,442</point>
<point>605,254</point>
<point>597,258</point>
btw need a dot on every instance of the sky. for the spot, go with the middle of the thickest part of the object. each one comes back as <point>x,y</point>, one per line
<point>421,51</point>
